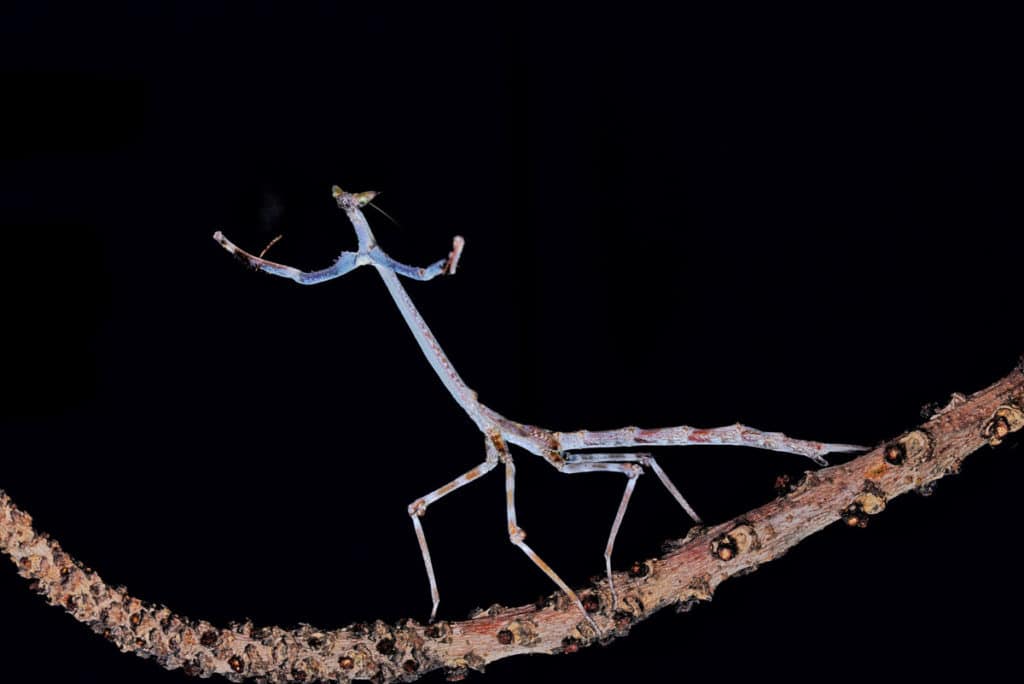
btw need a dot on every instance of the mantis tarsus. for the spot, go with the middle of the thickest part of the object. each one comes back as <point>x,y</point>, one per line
<point>568,452</point>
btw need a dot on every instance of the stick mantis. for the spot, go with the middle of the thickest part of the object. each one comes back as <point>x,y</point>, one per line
<point>568,452</point>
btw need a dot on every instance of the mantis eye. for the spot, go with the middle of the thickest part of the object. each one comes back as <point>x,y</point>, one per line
<point>336,192</point>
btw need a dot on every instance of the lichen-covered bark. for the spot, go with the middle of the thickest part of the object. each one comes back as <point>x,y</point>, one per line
<point>689,572</point>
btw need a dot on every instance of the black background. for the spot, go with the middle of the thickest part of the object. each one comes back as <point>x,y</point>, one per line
<point>807,223</point>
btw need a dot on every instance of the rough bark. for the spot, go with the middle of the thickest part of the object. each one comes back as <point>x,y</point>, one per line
<point>689,572</point>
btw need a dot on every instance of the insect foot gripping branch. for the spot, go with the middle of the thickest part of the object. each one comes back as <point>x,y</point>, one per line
<point>569,452</point>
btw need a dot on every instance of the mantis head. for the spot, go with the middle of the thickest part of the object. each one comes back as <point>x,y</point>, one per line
<point>352,200</point>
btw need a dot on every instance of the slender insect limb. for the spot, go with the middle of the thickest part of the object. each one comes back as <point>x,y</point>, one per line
<point>579,459</point>
<point>631,471</point>
<point>738,435</point>
<point>415,272</point>
<point>418,508</point>
<point>439,267</point>
<point>653,465</point>
<point>610,546</point>
<point>344,263</point>
<point>620,462</point>
<point>517,534</point>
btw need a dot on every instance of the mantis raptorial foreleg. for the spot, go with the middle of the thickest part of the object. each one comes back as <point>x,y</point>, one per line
<point>441,267</point>
<point>342,265</point>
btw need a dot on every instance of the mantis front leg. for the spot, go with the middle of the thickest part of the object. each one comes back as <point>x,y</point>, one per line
<point>342,265</point>
<point>445,266</point>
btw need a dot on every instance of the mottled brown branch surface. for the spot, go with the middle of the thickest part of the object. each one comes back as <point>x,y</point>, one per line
<point>384,652</point>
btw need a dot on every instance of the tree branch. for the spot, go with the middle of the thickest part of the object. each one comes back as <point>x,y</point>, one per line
<point>688,573</point>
